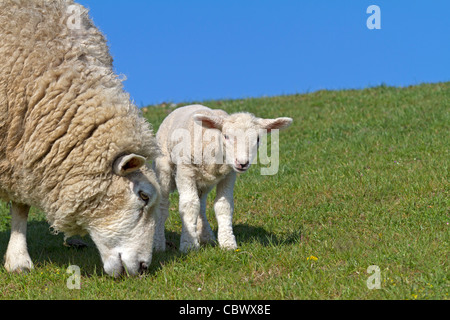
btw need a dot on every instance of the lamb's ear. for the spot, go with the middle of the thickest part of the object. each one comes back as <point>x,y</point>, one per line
<point>272,124</point>
<point>127,164</point>
<point>209,122</point>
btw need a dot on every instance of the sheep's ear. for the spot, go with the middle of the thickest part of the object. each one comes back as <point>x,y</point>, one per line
<point>273,124</point>
<point>127,164</point>
<point>209,122</point>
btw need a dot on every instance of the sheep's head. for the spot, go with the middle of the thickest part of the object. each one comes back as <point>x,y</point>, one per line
<point>123,226</point>
<point>241,134</point>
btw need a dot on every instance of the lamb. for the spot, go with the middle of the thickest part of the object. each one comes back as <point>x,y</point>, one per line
<point>71,142</point>
<point>198,152</point>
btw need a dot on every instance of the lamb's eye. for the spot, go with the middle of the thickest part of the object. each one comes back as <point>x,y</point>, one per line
<point>227,137</point>
<point>144,196</point>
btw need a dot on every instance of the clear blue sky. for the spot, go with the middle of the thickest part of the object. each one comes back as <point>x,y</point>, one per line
<point>196,50</point>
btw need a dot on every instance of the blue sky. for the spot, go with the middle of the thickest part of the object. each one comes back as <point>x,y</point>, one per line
<point>197,50</point>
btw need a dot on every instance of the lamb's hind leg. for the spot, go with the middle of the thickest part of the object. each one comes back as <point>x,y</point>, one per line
<point>17,258</point>
<point>205,233</point>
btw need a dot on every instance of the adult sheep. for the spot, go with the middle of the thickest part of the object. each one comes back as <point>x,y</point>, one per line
<point>71,143</point>
<point>202,148</point>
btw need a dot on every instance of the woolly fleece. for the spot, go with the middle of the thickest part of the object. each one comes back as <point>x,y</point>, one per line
<point>64,117</point>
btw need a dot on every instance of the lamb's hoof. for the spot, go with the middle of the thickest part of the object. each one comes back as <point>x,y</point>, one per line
<point>185,247</point>
<point>207,240</point>
<point>159,246</point>
<point>228,245</point>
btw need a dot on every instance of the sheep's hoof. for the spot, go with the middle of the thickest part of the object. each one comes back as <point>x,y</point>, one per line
<point>20,265</point>
<point>75,243</point>
<point>171,245</point>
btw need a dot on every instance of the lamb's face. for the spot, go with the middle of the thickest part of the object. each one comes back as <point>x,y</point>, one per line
<point>123,229</point>
<point>241,134</point>
<point>241,137</point>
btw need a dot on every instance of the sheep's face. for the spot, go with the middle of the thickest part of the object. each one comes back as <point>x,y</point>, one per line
<point>241,134</point>
<point>123,230</point>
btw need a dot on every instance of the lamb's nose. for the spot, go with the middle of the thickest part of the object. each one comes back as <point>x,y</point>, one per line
<point>143,266</point>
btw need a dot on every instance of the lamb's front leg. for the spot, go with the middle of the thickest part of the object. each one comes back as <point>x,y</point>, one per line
<point>224,207</point>
<point>17,258</point>
<point>189,208</point>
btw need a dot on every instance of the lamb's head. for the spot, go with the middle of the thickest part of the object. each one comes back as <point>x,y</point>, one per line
<point>241,134</point>
<point>123,226</point>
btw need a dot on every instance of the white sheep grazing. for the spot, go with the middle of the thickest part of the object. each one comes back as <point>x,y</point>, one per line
<point>71,143</point>
<point>201,149</point>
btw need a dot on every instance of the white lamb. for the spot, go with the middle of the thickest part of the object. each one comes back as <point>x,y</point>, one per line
<point>202,148</point>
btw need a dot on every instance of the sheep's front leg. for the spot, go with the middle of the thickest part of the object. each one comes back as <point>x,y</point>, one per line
<point>189,208</point>
<point>17,258</point>
<point>224,207</point>
<point>159,241</point>
<point>163,170</point>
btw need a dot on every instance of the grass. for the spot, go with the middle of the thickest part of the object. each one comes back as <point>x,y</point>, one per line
<point>363,180</point>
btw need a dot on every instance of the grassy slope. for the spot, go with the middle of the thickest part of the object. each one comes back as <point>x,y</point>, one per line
<point>363,180</point>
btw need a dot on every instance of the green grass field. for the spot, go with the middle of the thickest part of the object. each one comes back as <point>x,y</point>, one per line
<point>363,180</point>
